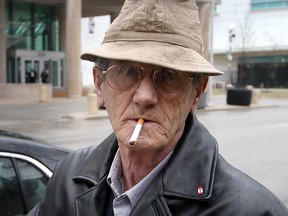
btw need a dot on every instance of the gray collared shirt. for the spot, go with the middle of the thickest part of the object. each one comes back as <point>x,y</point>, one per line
<point>125,201</point>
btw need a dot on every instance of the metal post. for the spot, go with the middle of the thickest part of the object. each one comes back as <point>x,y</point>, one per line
<point>209,87</point>
<point>230,56</point>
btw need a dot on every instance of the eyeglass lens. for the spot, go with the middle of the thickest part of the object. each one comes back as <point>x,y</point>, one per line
<point>125,77</point>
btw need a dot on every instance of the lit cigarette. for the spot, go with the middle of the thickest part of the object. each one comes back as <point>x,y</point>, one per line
<point>136,132</point>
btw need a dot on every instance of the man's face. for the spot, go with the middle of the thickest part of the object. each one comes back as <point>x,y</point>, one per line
<point>164,114</point>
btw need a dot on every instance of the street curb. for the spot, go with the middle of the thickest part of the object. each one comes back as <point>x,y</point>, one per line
<point>103,113</point>
<point>86,115</point>
<point>235,107</point>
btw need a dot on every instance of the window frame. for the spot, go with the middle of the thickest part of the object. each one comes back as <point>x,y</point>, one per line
<point>33,162</point>
<point>258,5</point>
<point>19,186</point>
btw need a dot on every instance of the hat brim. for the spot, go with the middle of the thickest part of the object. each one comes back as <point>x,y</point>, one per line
<point>157,53</point>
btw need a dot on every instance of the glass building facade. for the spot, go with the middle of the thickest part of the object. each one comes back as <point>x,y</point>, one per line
<point>31,26</point>
<point>32,43</point>
<point>263,71</point>
<point>268,4</point>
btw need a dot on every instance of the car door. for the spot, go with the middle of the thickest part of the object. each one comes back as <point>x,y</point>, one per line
<point>23,182</point>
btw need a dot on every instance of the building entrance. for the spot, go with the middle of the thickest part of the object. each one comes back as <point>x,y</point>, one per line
<point>29,66</point>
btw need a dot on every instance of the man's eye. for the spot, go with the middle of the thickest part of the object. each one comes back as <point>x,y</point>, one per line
<point>129,71</point>
<point>169,77</point>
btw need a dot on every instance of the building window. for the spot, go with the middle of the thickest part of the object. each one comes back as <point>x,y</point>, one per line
<point>263,71</point>
<point>31,26</point>
<point>268,4</point>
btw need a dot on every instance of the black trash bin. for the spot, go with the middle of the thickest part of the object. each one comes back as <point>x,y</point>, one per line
<point>239,96</point>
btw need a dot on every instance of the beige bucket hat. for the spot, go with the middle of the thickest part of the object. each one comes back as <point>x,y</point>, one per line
<point>164,32</point>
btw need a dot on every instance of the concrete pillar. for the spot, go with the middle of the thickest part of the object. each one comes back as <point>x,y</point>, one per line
<point>3,73</point>
<point>73,47</point>
<point>204,13</point>
<point>206,22</point>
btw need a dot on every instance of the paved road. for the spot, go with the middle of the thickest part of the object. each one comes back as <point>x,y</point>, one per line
<point>255,141</point>
<point>251,139</point>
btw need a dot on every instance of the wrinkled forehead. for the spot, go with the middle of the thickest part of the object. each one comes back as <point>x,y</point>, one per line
<point>105,63</point>
<point>132,63</point>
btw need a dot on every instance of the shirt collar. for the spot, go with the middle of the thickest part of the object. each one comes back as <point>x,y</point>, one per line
<point>115,179</point>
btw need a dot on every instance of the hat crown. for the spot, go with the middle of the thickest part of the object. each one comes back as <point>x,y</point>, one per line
<point>168,21</point>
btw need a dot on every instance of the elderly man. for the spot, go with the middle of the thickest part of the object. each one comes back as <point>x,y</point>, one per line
<point>160,160</point>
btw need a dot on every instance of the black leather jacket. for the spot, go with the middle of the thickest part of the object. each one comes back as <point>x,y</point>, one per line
<point>196,181</point>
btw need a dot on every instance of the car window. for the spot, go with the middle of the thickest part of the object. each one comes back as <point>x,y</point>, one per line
<point>34,182</point>
<point>11,202</point>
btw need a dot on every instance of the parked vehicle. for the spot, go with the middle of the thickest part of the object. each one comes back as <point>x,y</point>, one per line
<point>26,165</point>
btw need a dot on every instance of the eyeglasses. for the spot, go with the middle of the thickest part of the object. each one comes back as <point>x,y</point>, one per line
<point>126,77</point>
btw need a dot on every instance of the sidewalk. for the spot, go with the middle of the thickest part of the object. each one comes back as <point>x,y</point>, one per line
<point>77,108</point>
<point>218,103</point>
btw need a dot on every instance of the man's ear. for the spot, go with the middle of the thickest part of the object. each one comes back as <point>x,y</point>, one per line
<point>98,80</point>
<point>200,88</point>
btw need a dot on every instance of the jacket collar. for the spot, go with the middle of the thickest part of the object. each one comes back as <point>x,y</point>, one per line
<point>93,172</point>
<point>98,163</point>
<point>189,173</point>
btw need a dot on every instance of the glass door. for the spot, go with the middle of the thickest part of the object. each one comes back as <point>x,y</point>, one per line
<point>35,67</point>
<point>29,74</point>
<point>53,68</point>
<point>30,71</point>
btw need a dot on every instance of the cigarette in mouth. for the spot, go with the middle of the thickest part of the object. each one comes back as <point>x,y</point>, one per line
<point>136,132</point>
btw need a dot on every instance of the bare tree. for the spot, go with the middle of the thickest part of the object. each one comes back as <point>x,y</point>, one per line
<point>245,41</point>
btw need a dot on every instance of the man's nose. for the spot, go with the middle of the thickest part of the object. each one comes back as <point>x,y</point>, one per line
<point>146,94</point>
